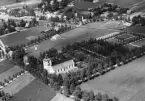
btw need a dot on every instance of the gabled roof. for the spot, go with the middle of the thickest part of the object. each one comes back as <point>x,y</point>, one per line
<point>62,65</point>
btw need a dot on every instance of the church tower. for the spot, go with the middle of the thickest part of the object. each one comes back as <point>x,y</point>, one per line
<point>47,64</point>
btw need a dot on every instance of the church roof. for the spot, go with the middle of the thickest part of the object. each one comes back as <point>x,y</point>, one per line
<point>62,65</point>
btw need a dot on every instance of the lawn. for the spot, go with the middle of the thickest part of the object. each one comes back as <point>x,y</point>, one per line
<point>21,37</point>
<point>139,43</point>
<point>35,91</point>
<point>5,65</point>
<point>126,82</point>
<point>76,35</point>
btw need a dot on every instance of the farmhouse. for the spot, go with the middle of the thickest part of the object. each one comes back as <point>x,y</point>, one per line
<point>59,68</point>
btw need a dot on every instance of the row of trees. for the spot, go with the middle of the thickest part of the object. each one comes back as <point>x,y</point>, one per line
<point>22,12</point>
<point>138,20</point>
<point>48,5</point>
<point>10,25</point>
<point>6,81</point>
<point>78,94</point>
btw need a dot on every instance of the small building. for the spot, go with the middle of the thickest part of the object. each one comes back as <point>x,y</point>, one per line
<point>63,67</point>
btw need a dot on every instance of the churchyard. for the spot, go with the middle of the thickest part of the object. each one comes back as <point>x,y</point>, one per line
<point>139,43</point>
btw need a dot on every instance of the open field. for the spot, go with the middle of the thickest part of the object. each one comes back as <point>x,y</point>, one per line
<point>35,91</point>
<point>17,85</point>
<point>10,72</point>
<point>139,7</point>
<point>84,32</point>
<point>21,37</point>
<point>126,82</point>
<point>136,29</point>
<point>70,37</point>
<point>5,65</point>
<point>139,43</point>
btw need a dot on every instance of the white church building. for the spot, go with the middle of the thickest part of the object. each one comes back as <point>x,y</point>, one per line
<point>59,68</point>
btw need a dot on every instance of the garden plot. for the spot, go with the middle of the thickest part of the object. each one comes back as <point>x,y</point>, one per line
<point>138,43</point>
<point>125,36</point>
<point>126,82</point>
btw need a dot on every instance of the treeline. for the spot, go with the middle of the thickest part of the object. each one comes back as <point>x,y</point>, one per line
<point>55,5</point>
<point>11,25</point>
<point>138,20</point>
<point>22,12</point>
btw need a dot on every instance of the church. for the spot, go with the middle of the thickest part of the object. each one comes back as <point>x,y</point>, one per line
<point>58,68</point>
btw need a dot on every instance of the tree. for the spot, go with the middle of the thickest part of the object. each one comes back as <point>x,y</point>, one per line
<point>65,91</point>
<point>85,96</point>
<point>72,88</point>
<point>98,97</point>
<point>22,23</point>
<point>92,95</point>
<point>77,92</point>
<point>115,99</point>
<point>105,97</point>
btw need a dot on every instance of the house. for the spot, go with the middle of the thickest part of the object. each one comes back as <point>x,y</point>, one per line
<point>63,67</point>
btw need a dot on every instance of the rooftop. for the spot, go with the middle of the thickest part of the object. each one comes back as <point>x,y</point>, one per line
<point>64,64</point>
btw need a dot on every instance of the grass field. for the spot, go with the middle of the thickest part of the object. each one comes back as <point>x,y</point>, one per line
<point>70,37</point>
<point>126,82</point>
<point>10,72</point>
<point>139,43</point>
<point>5,65</point>
<point>33,92</point>
<point>21,37</point>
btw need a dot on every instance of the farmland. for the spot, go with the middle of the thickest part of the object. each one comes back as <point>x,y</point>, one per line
<point>136,29</point>
<point>125,82</point>
<point>21,37</point>
<point>5,65</point>
<point>35,91</point>
<point>76,35</point>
